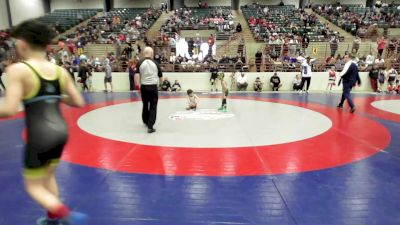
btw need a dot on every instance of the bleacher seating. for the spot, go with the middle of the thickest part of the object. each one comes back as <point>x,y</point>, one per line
<point>275,18</point>
<point>198,14</point>
<point>67,18</point>
<point>125,14</point>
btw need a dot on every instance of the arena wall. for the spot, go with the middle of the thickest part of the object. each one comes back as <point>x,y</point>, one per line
<point>22,10</point>
<point>76,4</point>
<point>3,15</point>
<point>200,81</point>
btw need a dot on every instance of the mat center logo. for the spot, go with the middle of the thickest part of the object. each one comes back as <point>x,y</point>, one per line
<point>204,114</point>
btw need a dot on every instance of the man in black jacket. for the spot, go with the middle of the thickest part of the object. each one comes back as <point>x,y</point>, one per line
<point>350,78</point>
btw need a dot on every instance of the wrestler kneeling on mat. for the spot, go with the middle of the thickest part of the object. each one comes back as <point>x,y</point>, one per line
<point>41,86</point>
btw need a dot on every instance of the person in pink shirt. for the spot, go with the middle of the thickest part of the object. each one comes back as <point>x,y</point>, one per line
<point>71,47</point>
<point>381,45</point>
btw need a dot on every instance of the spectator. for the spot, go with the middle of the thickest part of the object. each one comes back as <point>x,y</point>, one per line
<point>239,28</point>
<point>392,76</point>
<point>370,59</point>
<point>176,86</point>
<point>108,76</point>
<point>391,47</point>
<point>83,74</point>
<point>334,44</point>
<point>128,51</point>
<point>132,71</point>
<point>379,61</point>
<point>373,76</point>
<point>258,85</point>
<point>193,100</point>
<point>258,60</point>
<point>275,82</point>
<point>381,79</point>
<point>68,67</point>
<point>166,85</point>
<point>190,47</point>
<point>297,83</point>
<point>381,45</point>
<point>214,78</point>
<point>242,82</point>
<point>356,45</point>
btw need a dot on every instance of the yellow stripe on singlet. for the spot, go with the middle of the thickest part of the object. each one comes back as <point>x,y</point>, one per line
<point>36,75</point>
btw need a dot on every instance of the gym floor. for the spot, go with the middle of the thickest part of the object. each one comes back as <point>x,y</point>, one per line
<point>274,158</point>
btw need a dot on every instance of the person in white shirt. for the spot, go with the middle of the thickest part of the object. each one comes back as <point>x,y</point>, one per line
<point>392,76</point>
<point>297,83</point>
<point>306,73</point>
<point>379,61</point>
<point>370,59</point>
<point>193,100</point>
<point>242,82</point>
<point>108,76</point>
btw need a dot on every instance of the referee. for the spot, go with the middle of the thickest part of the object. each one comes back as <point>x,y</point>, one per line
<point>350,78</point>
<point>149,75</point>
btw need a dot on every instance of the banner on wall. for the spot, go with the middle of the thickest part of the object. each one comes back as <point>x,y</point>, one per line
<point>314,50</point>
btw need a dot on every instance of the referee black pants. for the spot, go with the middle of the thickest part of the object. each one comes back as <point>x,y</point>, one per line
<point>150,100</point>
<point>303,81</point>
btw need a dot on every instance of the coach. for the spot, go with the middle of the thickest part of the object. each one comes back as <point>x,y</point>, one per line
<point>350,78</point>
<point>149,75</point>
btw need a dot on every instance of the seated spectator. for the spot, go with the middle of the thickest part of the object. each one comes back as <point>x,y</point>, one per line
<point>297,83</point>
<point>370,59</point>
<point>176,86</point>
<point>379,61</point>
<point>242,82</point>
<point>258,85</point>
<point>275,82</point>
<point>166,85</point>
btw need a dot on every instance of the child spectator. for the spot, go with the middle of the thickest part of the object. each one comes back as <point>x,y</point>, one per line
<point>176,86</point>
<point>297,83</point>
<point>193,100</point>
<point>258,85</point>
<point>332,79</point>
<point>166,85</point>
<point>275,82</point>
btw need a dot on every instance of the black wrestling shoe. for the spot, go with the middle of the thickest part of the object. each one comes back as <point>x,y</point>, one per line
<point>339,107</point>
<point>151,130</point>
<point>353,110</point>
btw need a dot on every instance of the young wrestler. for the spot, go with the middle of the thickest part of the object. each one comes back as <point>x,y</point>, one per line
<point>193,100</point>
<point>225,93</point>
<point>41,86</point>
<point>332,79</point>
